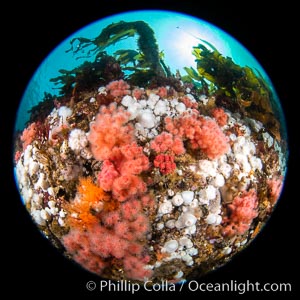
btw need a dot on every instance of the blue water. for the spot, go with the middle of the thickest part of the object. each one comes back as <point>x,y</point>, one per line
<point>176,35</point>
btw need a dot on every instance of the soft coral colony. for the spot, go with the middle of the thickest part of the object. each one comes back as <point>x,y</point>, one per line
<point>148,175</point>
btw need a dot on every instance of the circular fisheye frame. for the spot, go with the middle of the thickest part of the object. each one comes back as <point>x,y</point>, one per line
<point>150,146</point>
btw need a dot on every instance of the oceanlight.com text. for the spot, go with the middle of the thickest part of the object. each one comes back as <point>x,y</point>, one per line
<point>239,287</point>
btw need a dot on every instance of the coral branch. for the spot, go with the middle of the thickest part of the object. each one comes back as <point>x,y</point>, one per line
<point>110,130</point>
<point>243,210</point>
<point>166,142</point>
<point>165,163</point>
<point>220,116</point>
<point>202,133</point>
<point>118,237</point>
<point>275,186</point>
<point>118,88</point>
<point>28,135</point>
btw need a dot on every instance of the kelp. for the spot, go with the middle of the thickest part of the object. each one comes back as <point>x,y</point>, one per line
<point>228,81</point>
<point>39,112</point>
<point>229,78</point>
<point>141,65</point>
<point>89,74</point>
<point>125,57</point>
<point>116,32</point>
<point>234,86</point>
<point>133,61</point>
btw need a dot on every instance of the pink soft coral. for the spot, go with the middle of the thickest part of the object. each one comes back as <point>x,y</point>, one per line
<point>147,202</point>
<point>188,102</point>
<point>185,126</point>
<point>110,130</point>
<point>162,92</point>
<point>243,210</point>
<point>131,209</point>
<point>275,186</point>
<point>134,268</point>
<point>77,244</point>
<point>220,116</point>
<point>134,160</point>
<point>119,173</point>
<point>165,163</point>
<point>127,186</point>
<point>116,237</point>
<point>166,142</point>
<point>17,156</point>
<point>28,135</point>
<point>118,88</point>
<point>201,132</point>
<point>211,139</point>
<point>108,175</point>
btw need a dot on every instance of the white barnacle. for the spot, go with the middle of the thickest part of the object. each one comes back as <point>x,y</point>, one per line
<point>177,200</point>
<point>102,90</point>
<point>185,242</point>
<point>127,101</point>
<point>146,118</point>
<point>213,219</point>
<point>227,250</point>
<point>190,230</point>
<point>180,107</point>
<point>61,222</point>
<point>185,220</point>
<point>38,217</point>
<point>192,251</point>
<point>77,140</point>
<point>170,224</point>
<point>42,183</point>
<point>187,259</point>
<point>207,194</point>
<point>160,108</point>
<point>64,112</point>
<point>160,226</point>
<point>170,246</point>
<point>219,180</point>
<point>171,192</point>
<point>44,215</point>
<point>165,208</point>
<point>187,196</point>
<point>178,275</point>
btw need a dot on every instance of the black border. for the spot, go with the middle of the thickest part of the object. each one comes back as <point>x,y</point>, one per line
<point>30,264</point>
